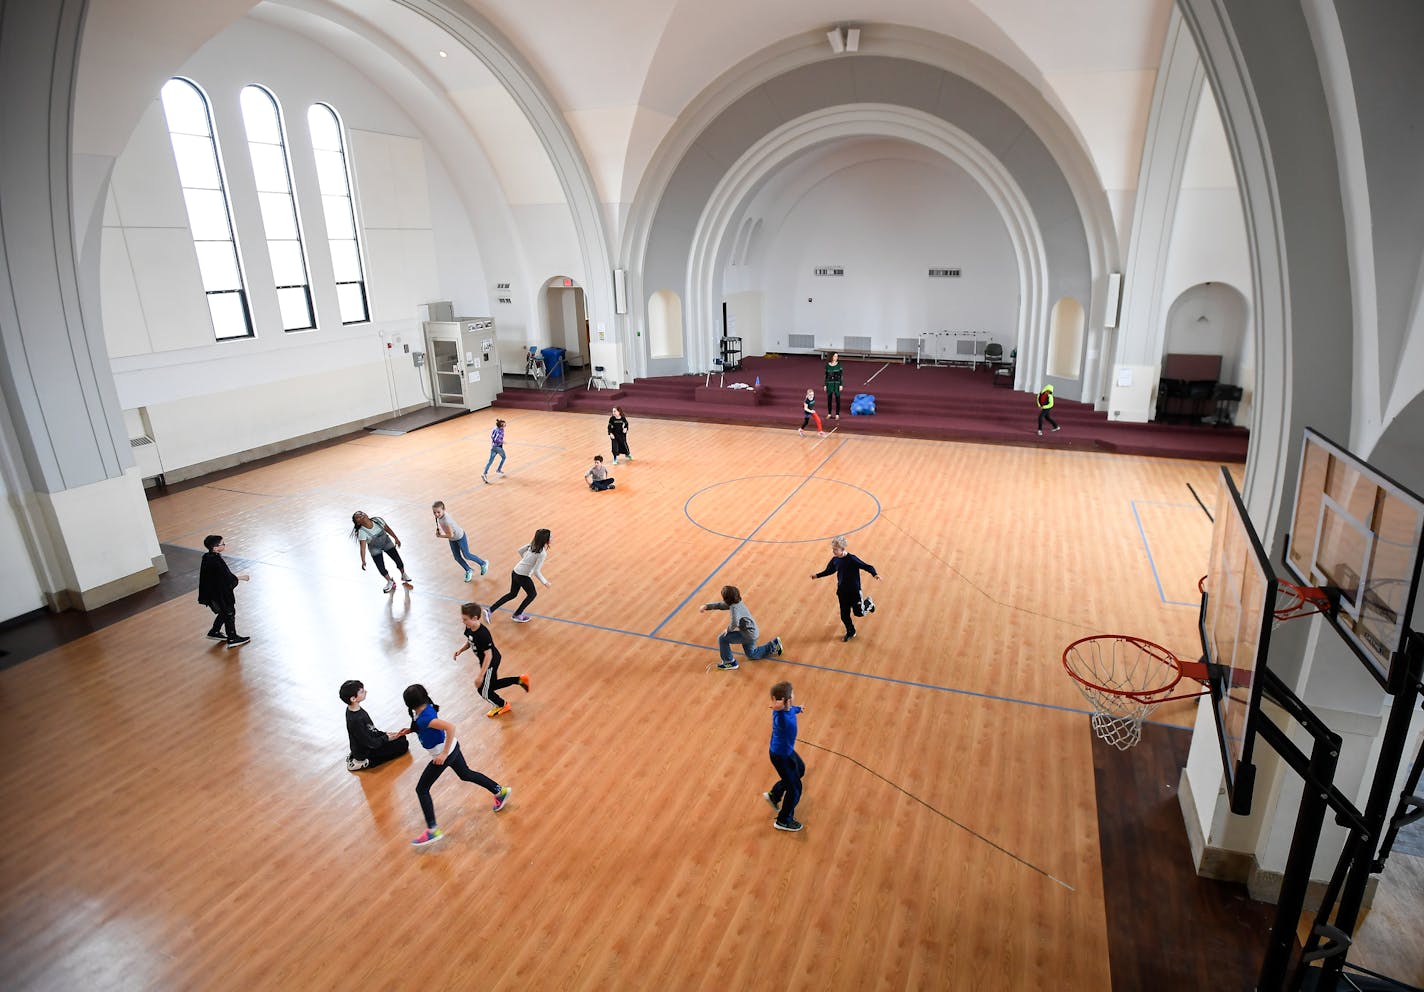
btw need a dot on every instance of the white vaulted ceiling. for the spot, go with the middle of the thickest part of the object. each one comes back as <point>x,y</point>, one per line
<point>621,71</point>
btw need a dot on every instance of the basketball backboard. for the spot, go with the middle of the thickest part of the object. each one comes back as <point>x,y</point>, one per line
<point>1235,624</point>
<point>1357,533</point>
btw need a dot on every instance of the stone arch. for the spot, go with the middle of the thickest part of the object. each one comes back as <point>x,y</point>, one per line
<point>1210,319</point>
<point>712,238</point>
<point>929,75</point>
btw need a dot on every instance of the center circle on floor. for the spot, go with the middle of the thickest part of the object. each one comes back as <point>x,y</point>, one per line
<point>782,509</point>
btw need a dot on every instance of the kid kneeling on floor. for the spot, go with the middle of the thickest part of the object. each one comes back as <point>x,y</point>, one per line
<point>369,747</point>
<point>597,477</point>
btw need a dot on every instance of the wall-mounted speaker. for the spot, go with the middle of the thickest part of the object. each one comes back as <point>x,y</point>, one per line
<point>1114,298</point>
<point>620,290</point>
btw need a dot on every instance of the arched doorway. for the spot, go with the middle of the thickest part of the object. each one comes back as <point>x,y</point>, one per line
<point>565,313</point>
<point>1210,319</point>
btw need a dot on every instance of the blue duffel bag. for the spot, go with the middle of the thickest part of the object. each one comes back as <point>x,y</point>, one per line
<point>863,405</point>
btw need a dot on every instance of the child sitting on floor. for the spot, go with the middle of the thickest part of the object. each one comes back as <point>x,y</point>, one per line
<point>597,477</point>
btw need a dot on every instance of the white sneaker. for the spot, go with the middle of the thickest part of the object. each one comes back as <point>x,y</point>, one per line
<point>390,586</point>
<point>356,764</point>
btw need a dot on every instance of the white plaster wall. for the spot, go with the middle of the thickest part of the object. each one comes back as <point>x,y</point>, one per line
<point>1208,244</point>
<point>744,314</point>
<point>100,552</point>
<point>418,245</point>
<point>887,222</point>
<point>20,592</point>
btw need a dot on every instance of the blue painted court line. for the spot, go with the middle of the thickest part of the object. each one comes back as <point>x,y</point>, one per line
<point>892,680</point>
<point>745,541</point>
<point>1142,532</point>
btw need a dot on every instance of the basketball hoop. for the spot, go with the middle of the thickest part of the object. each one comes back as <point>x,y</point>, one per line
<point>1293,601</point>
<point>1124,678</point>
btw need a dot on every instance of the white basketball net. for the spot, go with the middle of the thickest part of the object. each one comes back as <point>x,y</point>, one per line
<point>1126,665</point>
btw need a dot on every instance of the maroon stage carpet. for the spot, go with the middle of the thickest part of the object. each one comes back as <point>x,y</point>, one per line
<point>952,404</point>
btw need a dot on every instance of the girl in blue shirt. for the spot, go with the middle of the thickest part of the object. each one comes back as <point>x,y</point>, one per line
<point>438,738</point>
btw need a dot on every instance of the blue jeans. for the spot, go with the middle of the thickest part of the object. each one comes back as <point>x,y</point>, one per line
<point>495,451</point>
<point>461,550</point>
<point>727,638</point>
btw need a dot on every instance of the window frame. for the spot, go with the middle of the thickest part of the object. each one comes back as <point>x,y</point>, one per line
<point>349,193</point>
<point>222,189</point>
<point>291,194</point>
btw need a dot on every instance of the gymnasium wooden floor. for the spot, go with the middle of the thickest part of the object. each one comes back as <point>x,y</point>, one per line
<point>179,816</point>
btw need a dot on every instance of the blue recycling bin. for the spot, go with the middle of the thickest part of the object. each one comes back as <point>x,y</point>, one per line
<point>554,361</point>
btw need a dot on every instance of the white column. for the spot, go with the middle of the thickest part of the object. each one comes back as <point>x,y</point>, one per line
<point>77,497</point>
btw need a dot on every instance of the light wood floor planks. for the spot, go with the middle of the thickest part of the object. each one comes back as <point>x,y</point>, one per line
<point>178,816</point>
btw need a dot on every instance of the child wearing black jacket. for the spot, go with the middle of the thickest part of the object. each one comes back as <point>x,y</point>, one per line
<point>215,585</point>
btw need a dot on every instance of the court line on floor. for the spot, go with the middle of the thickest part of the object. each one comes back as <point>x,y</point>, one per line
<point>746,540</point>
<point>1142,532</point>
<point>829,669</point>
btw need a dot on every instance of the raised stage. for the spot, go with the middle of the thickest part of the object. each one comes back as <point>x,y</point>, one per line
<point>953,404</point>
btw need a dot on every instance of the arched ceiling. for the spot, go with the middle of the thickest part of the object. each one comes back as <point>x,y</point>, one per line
<point>620,72</point>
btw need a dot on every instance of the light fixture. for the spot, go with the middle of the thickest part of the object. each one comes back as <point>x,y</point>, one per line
<point>443,55</point>
<point>836,39</point>
<point>853,40</point>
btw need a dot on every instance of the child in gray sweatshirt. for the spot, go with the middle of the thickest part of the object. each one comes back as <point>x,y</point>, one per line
<point>741,629</point>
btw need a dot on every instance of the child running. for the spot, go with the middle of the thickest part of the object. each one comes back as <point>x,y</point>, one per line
<point>478,637</point>
<point>438,738</point>
<point>786,793</point>
<point>741,629</point>
<point>531,562</point>
<point>377,535</point>
<point>847,568</point>
<point>808,413</point>
<point>496,448</point>
<point>447,527</point>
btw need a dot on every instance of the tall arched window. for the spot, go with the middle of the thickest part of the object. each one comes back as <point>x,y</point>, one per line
<point>334,173</point>
<point>272,171</point>
<point>195,148</point>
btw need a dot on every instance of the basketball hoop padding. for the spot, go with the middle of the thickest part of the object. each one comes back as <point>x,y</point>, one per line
<point>1124,678</point>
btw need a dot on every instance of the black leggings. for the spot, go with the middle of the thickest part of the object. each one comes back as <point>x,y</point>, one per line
<point>620,445</point>
<point>456,762</point>
<point>833,401</point>
<point>379,557</point>
<point>1045,415</point>
<point>492,683</point>
<point>516,583</point>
